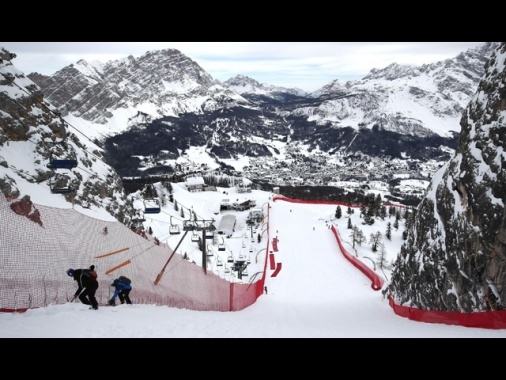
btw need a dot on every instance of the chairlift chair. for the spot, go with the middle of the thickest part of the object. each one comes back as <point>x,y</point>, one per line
<point>152,206</point>
<point>221,246</point>
<point>230,259</point>
<point>62,164</point>
<point>62,190</point>
<point>56,182</point>
<point>195,237</point>
<point>174,229</point>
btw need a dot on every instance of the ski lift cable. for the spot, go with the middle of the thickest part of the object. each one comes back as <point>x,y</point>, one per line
<point>42,140</point>
<point>56,113</point>
<point>34,143</point>
<point>26,174</point>
<point>190,210</point>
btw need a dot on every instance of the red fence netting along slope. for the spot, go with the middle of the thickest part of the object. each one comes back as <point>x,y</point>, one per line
<point>376,281</point>
<point>34,259</point>
<point>488,319</point>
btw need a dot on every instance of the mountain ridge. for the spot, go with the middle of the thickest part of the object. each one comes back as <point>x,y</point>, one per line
<point>454,254</point>
<point>418,106</point>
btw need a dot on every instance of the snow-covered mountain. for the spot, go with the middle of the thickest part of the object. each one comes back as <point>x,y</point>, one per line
<point>246,85</point>
<point>166,103</point>
<point>33,137</point>
<point>168,83</point>
<point>454,255</point>
<point>159,83</point>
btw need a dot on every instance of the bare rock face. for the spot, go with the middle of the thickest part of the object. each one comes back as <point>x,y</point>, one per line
<point>31,125</point>
<point>454,257</point>
<point>26,208</point>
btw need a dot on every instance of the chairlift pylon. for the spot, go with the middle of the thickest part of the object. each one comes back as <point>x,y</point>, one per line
<point>188,225</point>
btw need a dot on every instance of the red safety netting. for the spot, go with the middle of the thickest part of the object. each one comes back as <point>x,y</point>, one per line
<point>490,319</point>
<point>35,256</point>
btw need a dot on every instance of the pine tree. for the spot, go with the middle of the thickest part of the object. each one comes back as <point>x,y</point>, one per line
<point>167,185</point>
<point>397,218</point>
<point>388,232</point>
<point>369,216</point>
<point>375,240</point>
<point>378,200</point>
<point>363,210</point>
<point>382,212</point>
<point>339,212</point>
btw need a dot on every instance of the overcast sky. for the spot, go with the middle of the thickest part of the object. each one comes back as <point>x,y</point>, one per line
<point>305,65</point>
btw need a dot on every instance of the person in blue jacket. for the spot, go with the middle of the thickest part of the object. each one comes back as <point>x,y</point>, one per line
<point>122,291</point>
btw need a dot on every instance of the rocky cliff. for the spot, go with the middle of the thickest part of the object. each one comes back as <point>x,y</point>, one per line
<point>454,258</point>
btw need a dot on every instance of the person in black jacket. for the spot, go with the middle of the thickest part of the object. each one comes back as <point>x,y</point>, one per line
<point>87,285</point>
